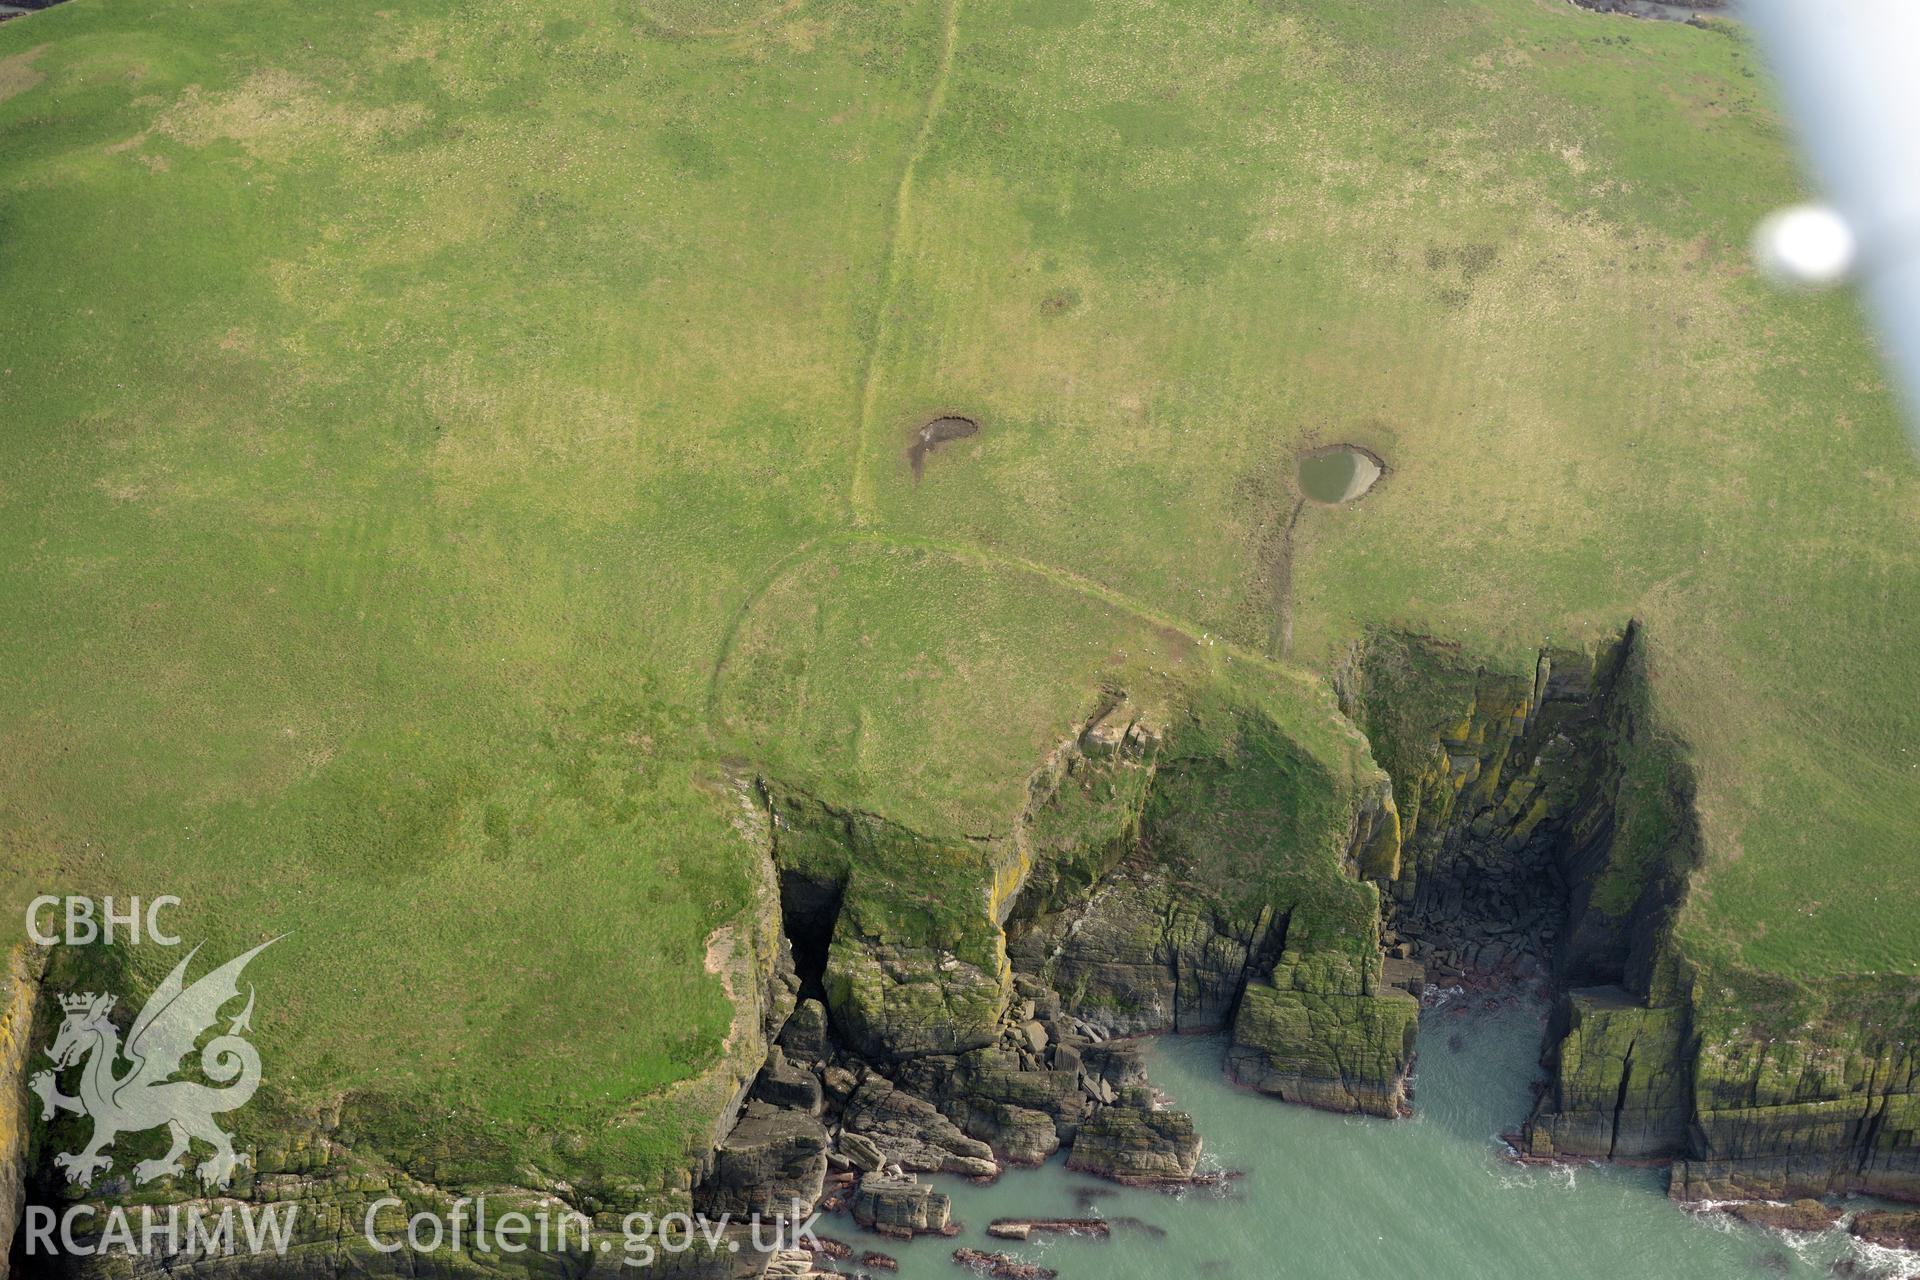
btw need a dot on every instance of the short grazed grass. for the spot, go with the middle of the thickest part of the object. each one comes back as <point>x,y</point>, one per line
<point>439,435</point>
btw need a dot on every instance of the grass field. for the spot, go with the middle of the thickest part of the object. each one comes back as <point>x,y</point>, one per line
<point>432,438</point>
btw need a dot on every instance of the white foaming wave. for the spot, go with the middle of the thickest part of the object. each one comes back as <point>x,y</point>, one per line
<point>1557,1177</point>
<point>1895,1264</point>
<point>1707,1213</point>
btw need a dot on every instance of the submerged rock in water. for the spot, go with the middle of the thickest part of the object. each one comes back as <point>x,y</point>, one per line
<point>999,1264</point>
<point>1025,1228</point>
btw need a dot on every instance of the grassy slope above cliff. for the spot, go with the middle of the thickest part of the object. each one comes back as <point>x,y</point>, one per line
<point>441,429</point>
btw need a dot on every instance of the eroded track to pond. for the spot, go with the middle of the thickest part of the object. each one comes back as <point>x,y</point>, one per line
<point>899,231</point>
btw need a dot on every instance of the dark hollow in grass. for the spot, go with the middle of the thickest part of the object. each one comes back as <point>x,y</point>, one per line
<point>1339,473</point>
<point>936,433</point>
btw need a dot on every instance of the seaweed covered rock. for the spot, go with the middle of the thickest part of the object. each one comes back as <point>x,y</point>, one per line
<point>1890,1229</point>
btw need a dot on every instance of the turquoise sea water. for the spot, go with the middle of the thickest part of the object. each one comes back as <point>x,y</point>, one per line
<point>1326,1197</point>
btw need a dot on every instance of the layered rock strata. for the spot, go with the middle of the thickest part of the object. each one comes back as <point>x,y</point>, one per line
<point>1548,823</point>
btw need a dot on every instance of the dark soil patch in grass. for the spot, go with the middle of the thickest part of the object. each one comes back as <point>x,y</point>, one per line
<point>935,434</point>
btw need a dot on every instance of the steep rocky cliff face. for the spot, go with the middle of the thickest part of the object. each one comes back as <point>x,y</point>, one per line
<point>1223,904</point>
<point>1186,873</point>
<point>905,971</point>
<point>1549,828</point>
<point>1547,834</point>
<point>1802,1093</point>
<point>19,988</point>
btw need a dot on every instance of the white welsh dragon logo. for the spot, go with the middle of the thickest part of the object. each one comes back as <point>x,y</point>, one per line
<point>146,1096</point>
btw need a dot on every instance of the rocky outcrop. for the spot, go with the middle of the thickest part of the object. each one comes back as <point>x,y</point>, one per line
<point>1323,1031</point>
<point>1135,1143</point>
<point>999,1265</point>
<point>773,1164</point>
<point>1214,919</point>
<point>1889,1230</point>
<point>913,1134</point>
<point>900,1205</point>
<point>783,1084</point>
<point>1016,1134</point>
<point>19,987</point>
<point>897,1000</point>
<point>1148,952</point>
<point>806,1037</point>
<point>905,970</point>
<point>1621,1080</point>
<point>1807,1216</point>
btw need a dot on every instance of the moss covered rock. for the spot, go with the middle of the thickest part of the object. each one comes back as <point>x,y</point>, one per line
<point>1321,1030</point>
<point>1621,1080</point>
<point>1132,1142</point>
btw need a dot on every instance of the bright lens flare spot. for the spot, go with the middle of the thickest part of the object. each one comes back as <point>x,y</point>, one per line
<point>1808,245</point>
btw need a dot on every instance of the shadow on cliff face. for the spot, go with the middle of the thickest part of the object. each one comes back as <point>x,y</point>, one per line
<point>810,907</point>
